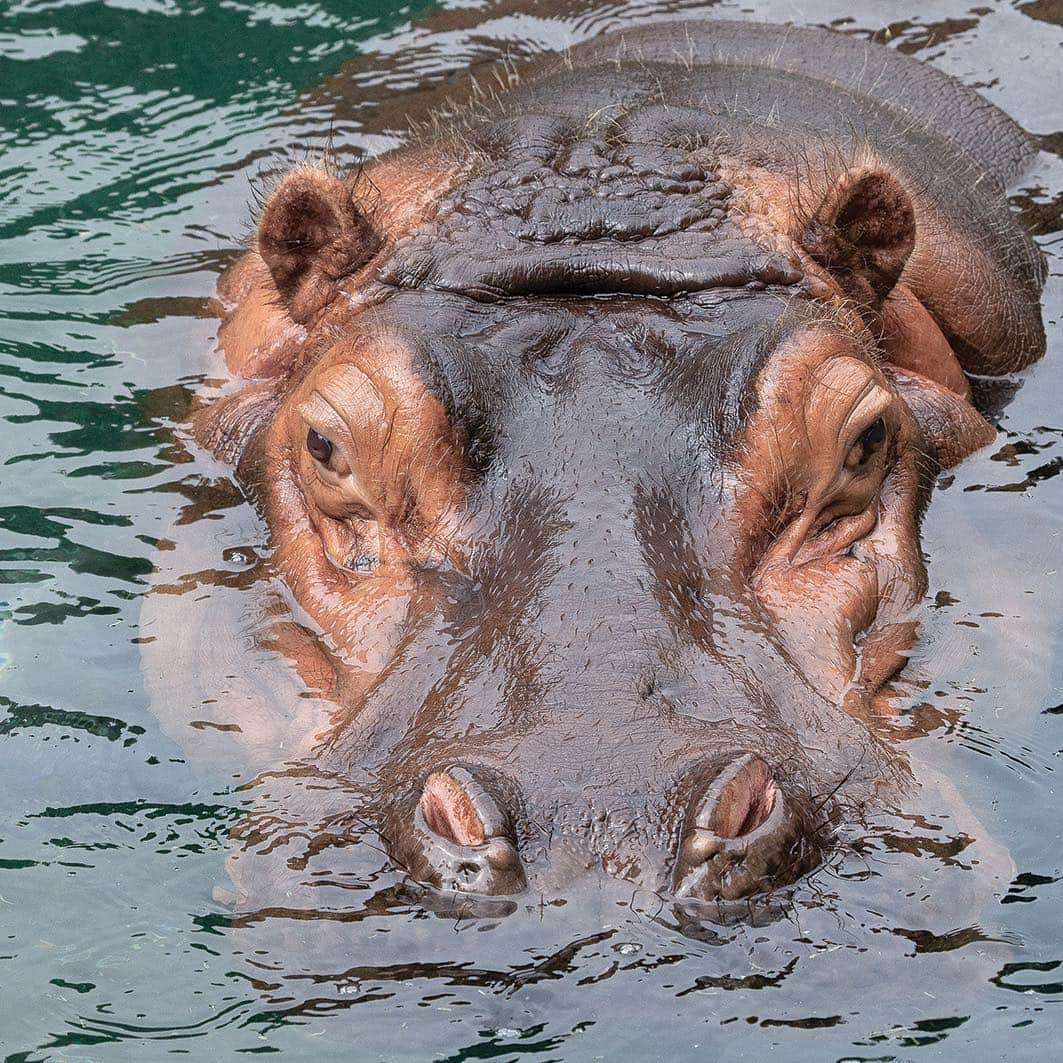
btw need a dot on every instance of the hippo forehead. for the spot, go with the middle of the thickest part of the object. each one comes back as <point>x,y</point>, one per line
<point>634,203</point>
<point>692,360</point>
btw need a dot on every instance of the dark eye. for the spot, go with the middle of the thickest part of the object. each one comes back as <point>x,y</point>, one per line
<point>868,445</point>
<point>320,448</point>
<point>362,563</point>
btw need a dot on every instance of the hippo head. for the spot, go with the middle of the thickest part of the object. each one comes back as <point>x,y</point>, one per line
<point>598,487</point>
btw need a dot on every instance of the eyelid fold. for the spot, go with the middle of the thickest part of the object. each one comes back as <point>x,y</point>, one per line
<point>872,404</point>
<point>337,488</point>
<point>840,505</point>
<point>851,498</point>
<point>318,413</point>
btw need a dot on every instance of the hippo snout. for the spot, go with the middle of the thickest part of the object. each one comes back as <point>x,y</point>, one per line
<point>741,831</point>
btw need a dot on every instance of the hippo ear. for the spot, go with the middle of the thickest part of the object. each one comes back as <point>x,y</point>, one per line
<point>310,234</point>
<point>862,233</point>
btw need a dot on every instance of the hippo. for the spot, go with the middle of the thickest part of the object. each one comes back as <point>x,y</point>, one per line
<point>590,432</point>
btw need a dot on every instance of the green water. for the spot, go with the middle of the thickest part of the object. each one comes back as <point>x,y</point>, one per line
<point>133,135</point>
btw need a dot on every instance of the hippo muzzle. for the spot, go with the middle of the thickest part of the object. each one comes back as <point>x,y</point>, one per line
<point>741,833</point>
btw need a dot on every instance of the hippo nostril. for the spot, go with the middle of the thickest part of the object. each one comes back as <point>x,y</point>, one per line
<point>449,810</point>
<point>744,835</point>
<point>460,838</point>
<point>741,799</point>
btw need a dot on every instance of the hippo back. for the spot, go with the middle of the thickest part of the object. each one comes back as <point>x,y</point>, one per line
<point>918,95</point>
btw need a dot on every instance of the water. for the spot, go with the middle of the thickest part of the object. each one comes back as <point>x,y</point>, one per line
<point>133,134</point>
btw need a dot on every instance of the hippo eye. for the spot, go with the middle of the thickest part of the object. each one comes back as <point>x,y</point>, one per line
<point>320,448</point>
<point>871,441</point>
<point>362,563</point>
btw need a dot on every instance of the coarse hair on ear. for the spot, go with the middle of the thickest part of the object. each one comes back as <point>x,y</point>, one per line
<point>310,234</point>
<point>862,232</point>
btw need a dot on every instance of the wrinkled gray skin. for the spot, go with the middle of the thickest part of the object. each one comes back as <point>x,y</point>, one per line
<point>592,317</point>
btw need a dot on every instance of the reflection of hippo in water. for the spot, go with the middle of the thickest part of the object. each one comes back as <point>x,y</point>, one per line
<point>592,432</point>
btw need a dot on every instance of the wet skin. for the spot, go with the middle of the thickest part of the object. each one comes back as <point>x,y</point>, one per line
<point>592,433</point>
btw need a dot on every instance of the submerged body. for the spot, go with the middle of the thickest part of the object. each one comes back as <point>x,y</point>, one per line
<point>592,432</point>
